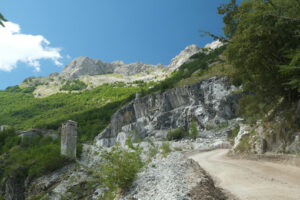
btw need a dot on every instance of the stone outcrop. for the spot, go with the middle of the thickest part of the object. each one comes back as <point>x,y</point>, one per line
<point>214,45</point>
<point>208,102</point>
<point>183,57</point>
<point>244,131</point>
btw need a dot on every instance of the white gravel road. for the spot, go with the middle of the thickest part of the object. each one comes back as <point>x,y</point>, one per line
<point>249,179</point>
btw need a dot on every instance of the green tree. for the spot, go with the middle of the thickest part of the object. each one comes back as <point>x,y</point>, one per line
<point>262,36</point>
<point>230,20</point>
<point>119,167</point>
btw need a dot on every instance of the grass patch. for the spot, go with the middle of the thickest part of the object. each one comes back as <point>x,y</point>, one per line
<point>244,145</point>
<point>166,148</point>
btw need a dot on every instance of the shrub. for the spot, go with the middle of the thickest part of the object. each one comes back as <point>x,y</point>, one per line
<point>193,132</point>
<point>153,150</point>
<point>176,134</point>
<point>244,145</point>
<point>8,139</point>
<point>119,168</point>
<point>74,85</point>
<point>209,127</point>
<point>166,149</point>
<point>235,132</point>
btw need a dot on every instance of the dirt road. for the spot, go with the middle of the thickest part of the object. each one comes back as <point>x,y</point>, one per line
<point>248,179</point>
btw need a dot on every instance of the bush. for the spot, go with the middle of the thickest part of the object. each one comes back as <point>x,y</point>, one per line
<point>74,85</point>
<point>153,150</point>
<point>176,134</point>
<point>30,158</point>
<point>119,168</point>
<point>8,139</point>
<point>244,145</point>
<point>193,132</point>
<point>235,132</point>
<point>166,149</point>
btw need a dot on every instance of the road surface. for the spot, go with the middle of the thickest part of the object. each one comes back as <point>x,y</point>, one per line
<point>249,179</point>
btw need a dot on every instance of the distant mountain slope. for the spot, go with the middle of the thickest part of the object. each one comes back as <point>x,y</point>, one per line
<point>94,73</point>
<point>83,66</point>
<point>86,66</point>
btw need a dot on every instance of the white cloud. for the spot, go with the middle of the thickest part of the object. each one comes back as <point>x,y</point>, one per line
<point>17,47</point>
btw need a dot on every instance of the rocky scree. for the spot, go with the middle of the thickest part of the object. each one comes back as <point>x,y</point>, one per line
<point>173,178</point>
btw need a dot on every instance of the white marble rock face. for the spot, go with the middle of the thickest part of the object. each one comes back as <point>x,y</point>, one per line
<point>207,103</point>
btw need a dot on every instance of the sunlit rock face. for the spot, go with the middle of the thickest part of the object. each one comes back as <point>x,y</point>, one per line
<point>183,56</point>
<point>214,45</point>
<point>208,102</point>
<point>86,66</point>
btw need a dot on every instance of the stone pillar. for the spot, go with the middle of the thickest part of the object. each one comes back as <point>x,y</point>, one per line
<point>69,139</point>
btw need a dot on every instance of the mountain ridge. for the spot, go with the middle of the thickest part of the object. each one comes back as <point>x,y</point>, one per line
<point>84,65</point>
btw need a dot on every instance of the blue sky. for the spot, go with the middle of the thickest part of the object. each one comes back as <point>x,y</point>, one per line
<point>150,31</point>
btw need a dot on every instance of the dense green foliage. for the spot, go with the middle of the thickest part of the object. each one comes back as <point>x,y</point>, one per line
<point>92,109</point>
<point>17,89</point>
<point>176,134</point>
<point>264,45</point>
<point>74,85</point>
<point>263,49</point>
<point>119,168</point>
<point>34,158</point>
<point>8,139</point>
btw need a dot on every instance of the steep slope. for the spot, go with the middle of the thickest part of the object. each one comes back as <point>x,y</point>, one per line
<point>207,103</point>
<point>94,73</point>
<point>183,57</point>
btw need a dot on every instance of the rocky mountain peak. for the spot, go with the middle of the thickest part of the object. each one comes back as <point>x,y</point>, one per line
<point>183,56</point>
<point>84,66</point>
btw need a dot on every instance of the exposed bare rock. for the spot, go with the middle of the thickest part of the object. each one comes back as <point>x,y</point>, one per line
<point>214,45</point>
<point>183,57</point>
<point>208,103</point>
<point>86,66</point>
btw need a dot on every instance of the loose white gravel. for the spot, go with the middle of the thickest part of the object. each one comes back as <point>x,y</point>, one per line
<point>164,178</point>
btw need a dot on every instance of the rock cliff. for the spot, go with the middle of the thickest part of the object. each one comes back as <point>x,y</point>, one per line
<point>183,56</point>
<point>208,103</point>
